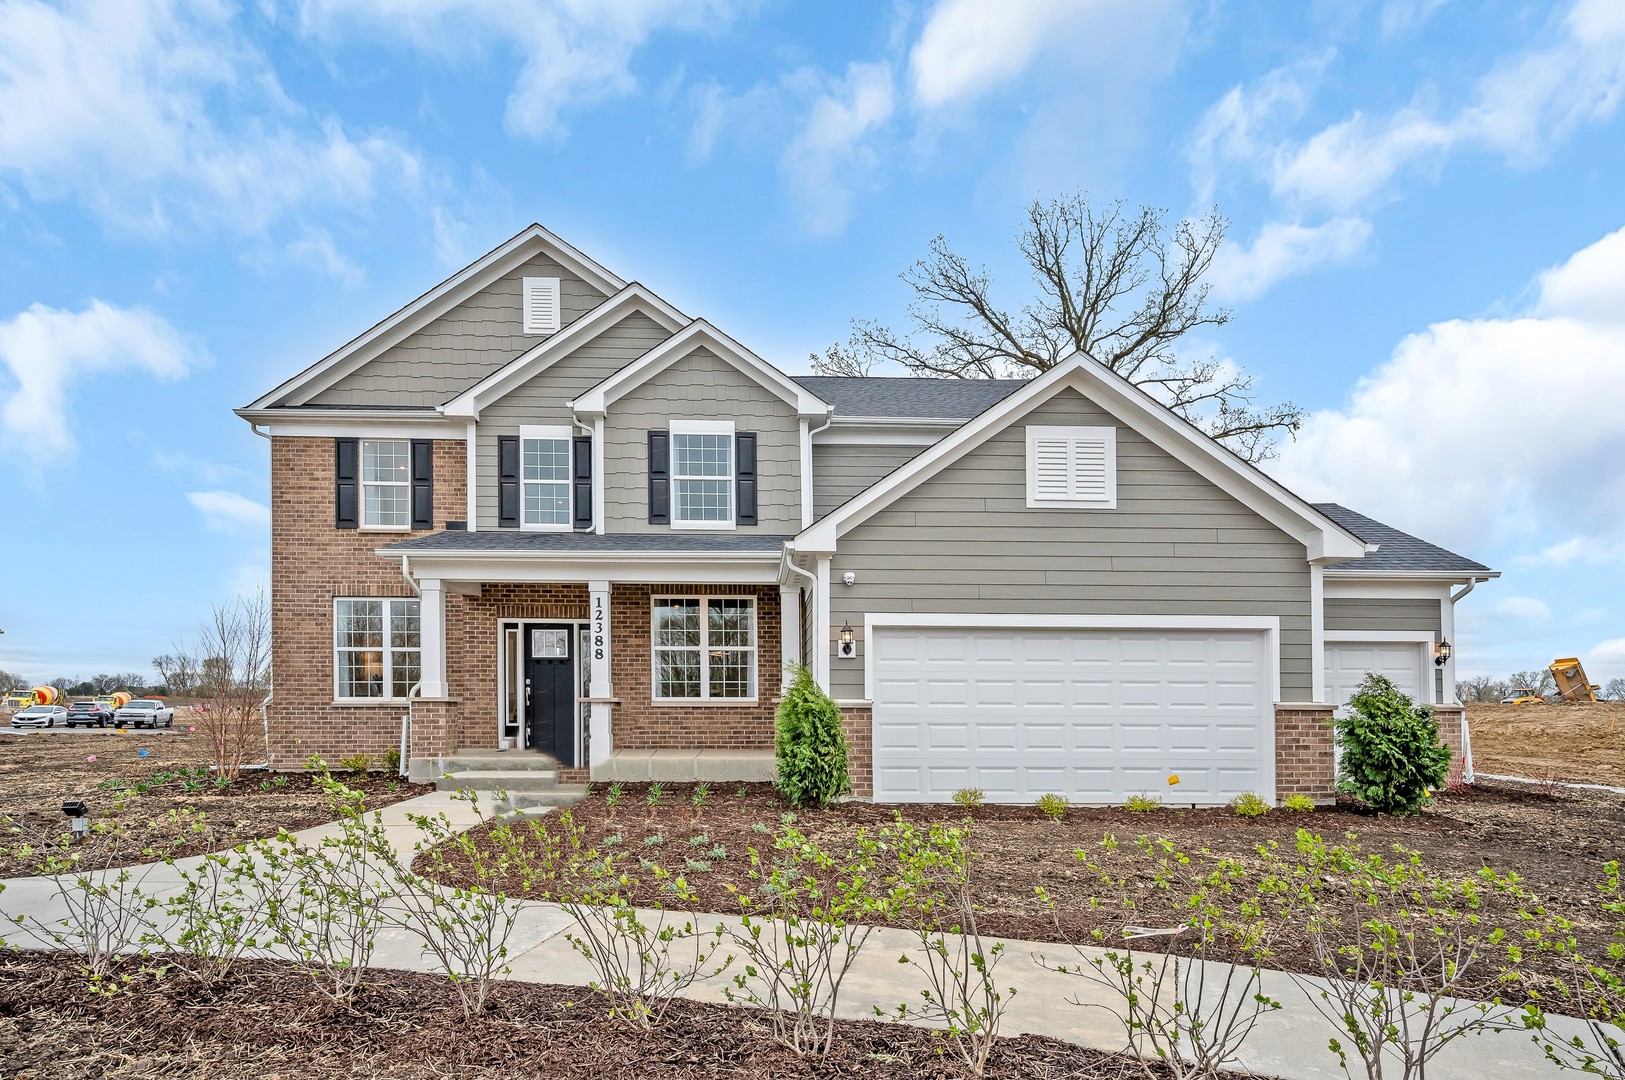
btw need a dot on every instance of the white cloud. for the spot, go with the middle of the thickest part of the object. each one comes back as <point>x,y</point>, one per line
<point>829,154</point>
<point>1524,608</point>
<point>1487,432</point>
<point>153,110</point>
<point>315,250</point>
<point>574,53</point>
<point>46,351</point>
<point>1281,250</point>
<point>227,511</point>
<point>1244,125</point>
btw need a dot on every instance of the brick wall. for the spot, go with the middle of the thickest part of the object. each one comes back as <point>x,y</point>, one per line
<point>640,724</point>
<point>312,563</point>
<point>1303,752</point>
<point>1449,718</point>
<point>859,722</point>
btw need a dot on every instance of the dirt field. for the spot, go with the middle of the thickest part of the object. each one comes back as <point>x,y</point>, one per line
<point>1563,742</point>
<point>107,770</point>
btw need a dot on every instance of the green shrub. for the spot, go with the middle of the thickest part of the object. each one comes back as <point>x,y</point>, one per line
<point>392,760</point>
<point>1249,805</point>
<point>1392,756</point>
<point>1052,805</point>
<point>1301,804</point>
<point>810,745</point>
<point>1143,803</point>
<point>969,797</point>
<point>356,763</point>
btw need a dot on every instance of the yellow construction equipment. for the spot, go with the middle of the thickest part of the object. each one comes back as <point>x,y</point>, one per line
<point>1571,680</point>
<point>1523,695</point>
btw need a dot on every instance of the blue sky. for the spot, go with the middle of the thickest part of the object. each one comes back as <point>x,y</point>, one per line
<point>199,198</point>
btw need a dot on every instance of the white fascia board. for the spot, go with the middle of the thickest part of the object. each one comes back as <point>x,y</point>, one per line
<point>1321,538</point>
<point>1440,577</point>
<point>324,425</point>
<point>1345,588</point>
<point>722,568</point>
<point>532,362</point>
<point>436,302</point>
<point>870,431</point>
<point>700,334</point>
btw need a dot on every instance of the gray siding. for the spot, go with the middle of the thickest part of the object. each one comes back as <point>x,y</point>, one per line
<point>840,472</point>
<point>965,541</point>
<point>542,399</point>
<point>702,386</point>
<point>462,346</point>
<point>1352,614</point>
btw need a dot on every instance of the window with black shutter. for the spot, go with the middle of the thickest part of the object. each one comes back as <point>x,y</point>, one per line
<point>422,484</point>
<point>346,484</point>
<point>659,478</point>
<point>745,478</point>
<point>508,481</point>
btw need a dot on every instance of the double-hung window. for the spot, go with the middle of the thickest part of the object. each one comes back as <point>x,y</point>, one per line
<point>704,648</point>
<point>386,483</point>
<point>376,649</point>
<point>702,474</point>
<point>544,477</point>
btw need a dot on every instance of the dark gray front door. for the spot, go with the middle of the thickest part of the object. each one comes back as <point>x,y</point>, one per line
<point>550,689</point>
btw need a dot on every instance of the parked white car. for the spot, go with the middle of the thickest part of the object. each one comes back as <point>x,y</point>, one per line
<point>40,716</point>
<point>145,712</point>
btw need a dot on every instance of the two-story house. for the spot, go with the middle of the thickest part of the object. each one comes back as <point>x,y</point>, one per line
<point>539,506</point>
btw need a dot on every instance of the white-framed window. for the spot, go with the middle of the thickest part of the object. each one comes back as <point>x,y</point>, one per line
<point>544,478</point>
<point>704,648</point>
<point>377,654</point>
<point>541,295</point>
<point>702,474</point>
<point>1072,467</point>
<point>386,484</point>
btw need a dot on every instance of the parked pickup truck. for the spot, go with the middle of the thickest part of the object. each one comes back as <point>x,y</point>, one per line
<point>145,712</point>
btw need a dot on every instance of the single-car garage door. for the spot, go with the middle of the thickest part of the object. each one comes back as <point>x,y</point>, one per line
<point>1347,663</point>
<point>1096,714</point>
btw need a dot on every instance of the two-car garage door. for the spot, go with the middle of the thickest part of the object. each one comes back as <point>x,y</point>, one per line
<point>1094,714</point>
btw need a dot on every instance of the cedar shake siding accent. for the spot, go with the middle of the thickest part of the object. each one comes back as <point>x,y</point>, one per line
<point>312,563</point>
<point>965,542</point>
<point>842,471</point>
<point>543,399</point>
<point>1351,614</point>
<point>461,347</point>
<point>702,386</point>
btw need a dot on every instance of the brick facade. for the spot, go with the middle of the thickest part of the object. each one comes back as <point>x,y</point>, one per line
<point>312,563</point>
<point>1450,719</point>
<point>1303,752</point>
<point>859,722</point>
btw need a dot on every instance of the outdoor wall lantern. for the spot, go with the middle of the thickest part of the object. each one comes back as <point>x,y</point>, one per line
<point>848,646</point>
<point>1442,654</point>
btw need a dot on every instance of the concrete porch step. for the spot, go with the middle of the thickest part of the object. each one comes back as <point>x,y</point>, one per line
<point>563,795</point>
<point>518,761</point>
<point>499,780</point>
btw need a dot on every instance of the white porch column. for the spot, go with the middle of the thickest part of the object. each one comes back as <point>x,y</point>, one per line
<point>789,630</point>
<point>432,639</point>
<point>598,633</point>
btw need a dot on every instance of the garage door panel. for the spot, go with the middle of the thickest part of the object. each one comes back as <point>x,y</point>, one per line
<point>1348,662</point>
<point>1096,715</point>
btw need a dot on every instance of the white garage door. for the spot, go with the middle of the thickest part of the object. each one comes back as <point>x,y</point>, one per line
<point>1347,663</point>
<point>1097,715</point>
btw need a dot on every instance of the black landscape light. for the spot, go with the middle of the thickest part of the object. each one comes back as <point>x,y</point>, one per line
<point>80,813</point>
<point>1442,654</point>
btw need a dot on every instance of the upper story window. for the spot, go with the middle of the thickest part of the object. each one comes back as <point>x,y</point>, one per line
<point>544,477</point>
<point>386,483</point>
<point>1072,467</point>
<point>376,649</point>
<point>702,474</point>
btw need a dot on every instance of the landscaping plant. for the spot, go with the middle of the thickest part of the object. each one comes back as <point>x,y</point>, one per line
<point>969,798</point>
<point>803,918</point>
<point>1591,990</point>
<point>1184,1016</point>
<point>1298,804</point>
<point>1249,805</point>
<point>1392,758</point>
<point>809,743</point>
<point>222,912</point>
<point>1143,803</point>
<point>932,885</point>
<point>1052,806</point>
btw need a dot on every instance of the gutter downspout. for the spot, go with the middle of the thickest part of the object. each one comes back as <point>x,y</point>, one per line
<point>406,717</point>
<point>787,563</point>
<point>1467,774</point>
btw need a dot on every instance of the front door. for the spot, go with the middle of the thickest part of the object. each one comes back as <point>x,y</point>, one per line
<point>550,689</point>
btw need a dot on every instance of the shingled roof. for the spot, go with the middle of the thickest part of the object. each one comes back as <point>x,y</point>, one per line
<point>907,397</point>
<point>1396,550</point>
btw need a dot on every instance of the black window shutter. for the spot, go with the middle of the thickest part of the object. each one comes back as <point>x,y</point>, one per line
<point>422,483</point>
<point>745,478</point>
<point>508,481</point>
<point>346,490</point>
<point>659,478</point>
<point>581,482</point>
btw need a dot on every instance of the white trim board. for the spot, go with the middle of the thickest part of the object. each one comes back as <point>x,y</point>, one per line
<point>1321,537</point>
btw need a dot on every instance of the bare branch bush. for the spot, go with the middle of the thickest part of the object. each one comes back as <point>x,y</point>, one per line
<point>1590,991</point>
<point>232,658</point>
<point>222,911</point>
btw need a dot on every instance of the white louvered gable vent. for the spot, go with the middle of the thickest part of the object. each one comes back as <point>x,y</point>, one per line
<point>1072,467</point>
<point>541,305</point>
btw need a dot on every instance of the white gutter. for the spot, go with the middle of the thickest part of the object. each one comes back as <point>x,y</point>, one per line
<point>787,563</point>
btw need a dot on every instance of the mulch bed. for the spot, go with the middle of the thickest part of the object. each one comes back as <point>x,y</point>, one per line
<point>39,771</point>
<point>271,1024</point>
<point>1556,842</point>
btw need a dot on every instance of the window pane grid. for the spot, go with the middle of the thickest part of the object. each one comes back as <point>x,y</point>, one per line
<point>545,476</point>
<point>702,477</point>
<point>705,649</point>
<point>385,481</point>
<point>377,647</point>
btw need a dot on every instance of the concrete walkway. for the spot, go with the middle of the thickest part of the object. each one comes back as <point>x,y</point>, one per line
<point>1289,1043</point>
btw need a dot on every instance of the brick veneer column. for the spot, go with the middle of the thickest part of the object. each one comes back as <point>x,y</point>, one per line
<point>1450,719</point>
<point>430,739</point>
<point>859,722</point>
<point>1304,763</point>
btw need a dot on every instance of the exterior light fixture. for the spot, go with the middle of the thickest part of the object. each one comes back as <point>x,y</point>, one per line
<point>1442,654</point>
<point>848,646</point>
<point>79,813</point>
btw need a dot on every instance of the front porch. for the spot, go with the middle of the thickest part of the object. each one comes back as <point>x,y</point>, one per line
<point>653,669</point>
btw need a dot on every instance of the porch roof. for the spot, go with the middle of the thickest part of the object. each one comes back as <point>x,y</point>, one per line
<point>518,542</point>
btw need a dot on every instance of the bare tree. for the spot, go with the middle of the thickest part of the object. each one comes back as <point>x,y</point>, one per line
<point>1480,688</point>
<point>236,639</point>
<point>1541,682</point>
<point>104,683</point>
<point>1615,690</point>
<point>132,681</point>
<point>9,682</point>
<point>178,671</point>
<point>1121,285</point>
<point>63,684</point>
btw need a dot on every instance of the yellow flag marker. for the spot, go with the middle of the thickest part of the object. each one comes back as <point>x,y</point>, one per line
<point>1173,778</point>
